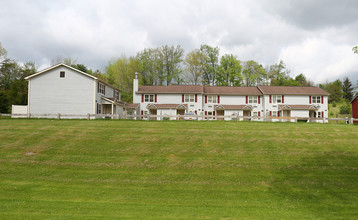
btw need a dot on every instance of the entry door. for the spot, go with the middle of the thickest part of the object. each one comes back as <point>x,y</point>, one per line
<point>286,113</point>
<point>246,113</point>
<point>153,112</point>
<point>220,113</point>
<point>180,111</point>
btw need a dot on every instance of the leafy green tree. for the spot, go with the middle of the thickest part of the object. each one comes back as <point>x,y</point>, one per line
<point>355,49</point>
<point>211,62</point>
<point>148,66</point>
<point>345,109</point>
<point>82,68</point>
<point>170,58</point>
<point>347,89</point>
<point>278,74</point>
<point>302,80</point>
<point>229,71</point>
<point>3,53</point>
<point>120,73</point>
<point>253,73</point>
<point>194,66</point>
<point>334,89</point>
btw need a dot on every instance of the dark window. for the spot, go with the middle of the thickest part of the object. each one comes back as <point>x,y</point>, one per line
<point>62,74</point>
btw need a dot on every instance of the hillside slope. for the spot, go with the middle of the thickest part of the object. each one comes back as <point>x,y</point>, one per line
<point>181,170</point>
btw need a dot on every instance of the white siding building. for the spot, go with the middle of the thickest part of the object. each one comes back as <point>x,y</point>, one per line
<point>62,89</point>
<point>260,101</point>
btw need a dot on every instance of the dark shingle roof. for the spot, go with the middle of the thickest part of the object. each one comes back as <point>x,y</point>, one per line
<point>292,90</point>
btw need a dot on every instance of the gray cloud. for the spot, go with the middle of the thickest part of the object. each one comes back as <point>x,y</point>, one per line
<point>313,37</point>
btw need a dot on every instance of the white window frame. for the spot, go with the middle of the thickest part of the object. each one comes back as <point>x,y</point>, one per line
<point>319,114</point>
<point>99,109</point>
<point>189,98</point>
<point>255,114</point>
<point>274,113</point>
<point>212,99</point>
<point>316,99</point>
<point>253,99</point>
<point>101,88</point>
<point>149,98</point>
<point>117,95</point>
<point>277,99</point>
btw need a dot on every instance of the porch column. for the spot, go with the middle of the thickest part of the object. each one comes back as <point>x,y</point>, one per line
<point>112,110</point>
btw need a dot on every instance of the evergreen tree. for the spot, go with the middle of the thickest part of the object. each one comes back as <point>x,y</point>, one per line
<point>347,89</point>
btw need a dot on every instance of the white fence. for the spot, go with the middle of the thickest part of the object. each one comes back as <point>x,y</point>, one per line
<point>180,117</point>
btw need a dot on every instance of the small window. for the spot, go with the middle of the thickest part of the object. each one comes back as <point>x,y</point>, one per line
<point>117,95</point>
<point>253,99</point>
<point>316,99</point>
<point>149,98</point>
<point>189,98</point>
<point>276,98</point>
<point>101,88</point>
<point>212,98</point>
<point>62,74</point>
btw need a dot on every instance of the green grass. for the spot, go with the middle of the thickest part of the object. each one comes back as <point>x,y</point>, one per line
<point>101,169</point>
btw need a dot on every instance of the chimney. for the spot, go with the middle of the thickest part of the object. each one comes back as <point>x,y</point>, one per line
<point>135,88</point>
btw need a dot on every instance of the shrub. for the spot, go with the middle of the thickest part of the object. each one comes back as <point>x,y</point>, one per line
<point>334,104</point>
<point>345,110</point>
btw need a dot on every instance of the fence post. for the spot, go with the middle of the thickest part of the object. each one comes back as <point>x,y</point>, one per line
<point>88,116</point>
<point>58,116</point>
<point>351,120</point>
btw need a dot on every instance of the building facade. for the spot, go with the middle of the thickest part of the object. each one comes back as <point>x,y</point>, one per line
<point>258,101</point>
<point>62,89</point>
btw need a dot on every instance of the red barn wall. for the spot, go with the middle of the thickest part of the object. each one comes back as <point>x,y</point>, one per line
<point>355,109</point>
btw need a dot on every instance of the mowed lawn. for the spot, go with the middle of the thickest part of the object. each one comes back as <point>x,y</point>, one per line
<point>109,169</point>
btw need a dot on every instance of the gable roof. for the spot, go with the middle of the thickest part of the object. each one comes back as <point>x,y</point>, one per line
<point>56,66</point>
<point>74,69</point>
<point>292,90</point>
<point>354,98</point>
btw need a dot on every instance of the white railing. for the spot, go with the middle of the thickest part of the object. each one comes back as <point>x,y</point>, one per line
<point>178,117</point>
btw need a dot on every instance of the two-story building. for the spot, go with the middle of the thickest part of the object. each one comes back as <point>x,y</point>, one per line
<point>62,89</point>
<point>294,101</point>
<point>260,101</point>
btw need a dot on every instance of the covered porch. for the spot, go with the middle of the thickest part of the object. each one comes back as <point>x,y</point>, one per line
<point>166,110</point>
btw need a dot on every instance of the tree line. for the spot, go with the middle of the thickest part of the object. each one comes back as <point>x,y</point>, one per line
<point>167,65</point>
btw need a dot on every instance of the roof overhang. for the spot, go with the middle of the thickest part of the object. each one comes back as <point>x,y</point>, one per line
<point>58,65</point>
<point>167,106</point>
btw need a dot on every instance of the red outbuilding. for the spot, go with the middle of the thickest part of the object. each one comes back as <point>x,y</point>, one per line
<point>354,103</point>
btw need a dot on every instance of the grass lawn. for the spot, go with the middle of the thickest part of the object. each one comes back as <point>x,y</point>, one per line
<point>108,169</point>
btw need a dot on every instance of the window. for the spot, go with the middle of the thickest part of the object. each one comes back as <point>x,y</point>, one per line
<point>189,98</point>
<point>212,98</point>
<point>254,114</point>
<point>101,88</point>
<point>62,74</point>
<point>276,99</point>
<point>99,109</point>
<point>149,98</point>
<point>319,115</point>
<point>252,99</point>
<point>117,95</point>
<point>274,113</point>
<point>316,99</point>
<point>210,113</point>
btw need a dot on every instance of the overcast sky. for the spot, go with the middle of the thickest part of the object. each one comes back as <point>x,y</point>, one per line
<point>314,37</point>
